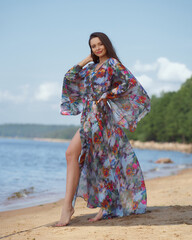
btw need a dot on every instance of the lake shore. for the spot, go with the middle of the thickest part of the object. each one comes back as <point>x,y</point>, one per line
<point>168,216</point>
<point>170,146</point>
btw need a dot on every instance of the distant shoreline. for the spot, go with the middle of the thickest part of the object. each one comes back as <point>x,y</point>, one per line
<point>51,139</point>
<point>170,146</point>
<point>40,139</point>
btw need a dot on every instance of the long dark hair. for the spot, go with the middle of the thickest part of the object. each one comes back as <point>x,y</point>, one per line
<point>106,42</point>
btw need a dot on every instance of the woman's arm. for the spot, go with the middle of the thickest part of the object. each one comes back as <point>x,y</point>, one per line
<point>85,61</point>
<point>71,102</point>
<point>77,72</point>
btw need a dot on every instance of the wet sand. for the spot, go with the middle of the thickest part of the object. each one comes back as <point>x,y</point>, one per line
<point>168,216</point>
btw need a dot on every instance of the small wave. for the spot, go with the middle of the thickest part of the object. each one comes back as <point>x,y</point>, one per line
<point>154,169</point>
<point>182,166</point>
<point>21,194</point>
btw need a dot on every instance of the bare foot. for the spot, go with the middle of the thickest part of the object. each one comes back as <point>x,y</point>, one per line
<point>65,217</point>
<point>97,217</point>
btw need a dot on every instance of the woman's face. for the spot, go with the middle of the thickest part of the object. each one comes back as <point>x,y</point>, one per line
<point>97,47</point>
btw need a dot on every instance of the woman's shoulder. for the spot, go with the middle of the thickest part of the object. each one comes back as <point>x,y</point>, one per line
<point>113,61</point>
<point>117,65</point>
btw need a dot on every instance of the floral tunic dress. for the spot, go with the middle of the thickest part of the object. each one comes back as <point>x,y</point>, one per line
<point>110,174</point>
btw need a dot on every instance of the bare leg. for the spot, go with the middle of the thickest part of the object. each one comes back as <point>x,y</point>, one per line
<point>73,173</point>
<point>97,217</point>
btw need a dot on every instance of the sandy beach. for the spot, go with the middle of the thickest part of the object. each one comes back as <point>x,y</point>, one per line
<point>170,146</point>
<point>168,216</point>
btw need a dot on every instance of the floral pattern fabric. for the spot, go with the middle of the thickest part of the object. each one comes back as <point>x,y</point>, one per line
<point>110,175</point>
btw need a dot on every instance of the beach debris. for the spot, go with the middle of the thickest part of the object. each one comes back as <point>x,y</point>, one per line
<point>164,160</point>
<point>22,193</point>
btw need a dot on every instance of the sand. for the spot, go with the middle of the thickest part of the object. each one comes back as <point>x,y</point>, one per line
<point>168,216</point>
<point>170,146</point>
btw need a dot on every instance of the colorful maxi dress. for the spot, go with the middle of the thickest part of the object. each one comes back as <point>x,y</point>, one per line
<point>110,174</point>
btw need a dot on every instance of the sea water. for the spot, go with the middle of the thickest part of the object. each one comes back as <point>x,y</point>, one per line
<point>34,172</point>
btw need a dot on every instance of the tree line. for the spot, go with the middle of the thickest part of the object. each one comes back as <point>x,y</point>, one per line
<point>38,131</point>
<point>170,118</point>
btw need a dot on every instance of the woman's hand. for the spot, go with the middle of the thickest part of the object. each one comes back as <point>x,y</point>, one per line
<point>85,61</point>
<point>103,99</point>
<point>89,58</point>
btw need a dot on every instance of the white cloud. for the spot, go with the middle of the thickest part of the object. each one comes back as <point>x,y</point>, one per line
<point>172,71</point>
<point>165,70</point>
<point>145,81</point>
<point>139,67</point>
<point>47,90</point>
<point>165,87</point>
<point>19,97</point>
<point>44,92</point>
<point>162,75</point>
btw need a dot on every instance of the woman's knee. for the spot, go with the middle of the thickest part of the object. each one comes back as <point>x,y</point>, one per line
<point>74,149</point>
<point>71,154</point>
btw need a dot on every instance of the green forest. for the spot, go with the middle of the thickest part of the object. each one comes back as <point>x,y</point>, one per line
<point>170,120</point>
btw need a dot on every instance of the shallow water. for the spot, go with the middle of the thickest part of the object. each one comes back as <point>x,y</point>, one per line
<point>41,167</point>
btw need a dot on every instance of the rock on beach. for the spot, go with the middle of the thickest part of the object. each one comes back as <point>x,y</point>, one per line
<point>164,160</point>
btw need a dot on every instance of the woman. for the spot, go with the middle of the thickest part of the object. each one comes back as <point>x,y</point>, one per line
<point>102,167</point>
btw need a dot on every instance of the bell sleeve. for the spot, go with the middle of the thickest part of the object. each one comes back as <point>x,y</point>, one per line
<point>126,97</point>
<point>71,101</point>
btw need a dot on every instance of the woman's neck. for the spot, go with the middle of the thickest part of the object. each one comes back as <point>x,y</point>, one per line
<point>102,59</point>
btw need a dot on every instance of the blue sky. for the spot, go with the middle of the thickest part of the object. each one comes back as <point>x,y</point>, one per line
<point>41,40</point>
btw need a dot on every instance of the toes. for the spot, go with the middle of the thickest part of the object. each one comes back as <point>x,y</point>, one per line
<point>91,219</point>
<point>94,219</point>
<point>97,217</point>
<point>59,225</point>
